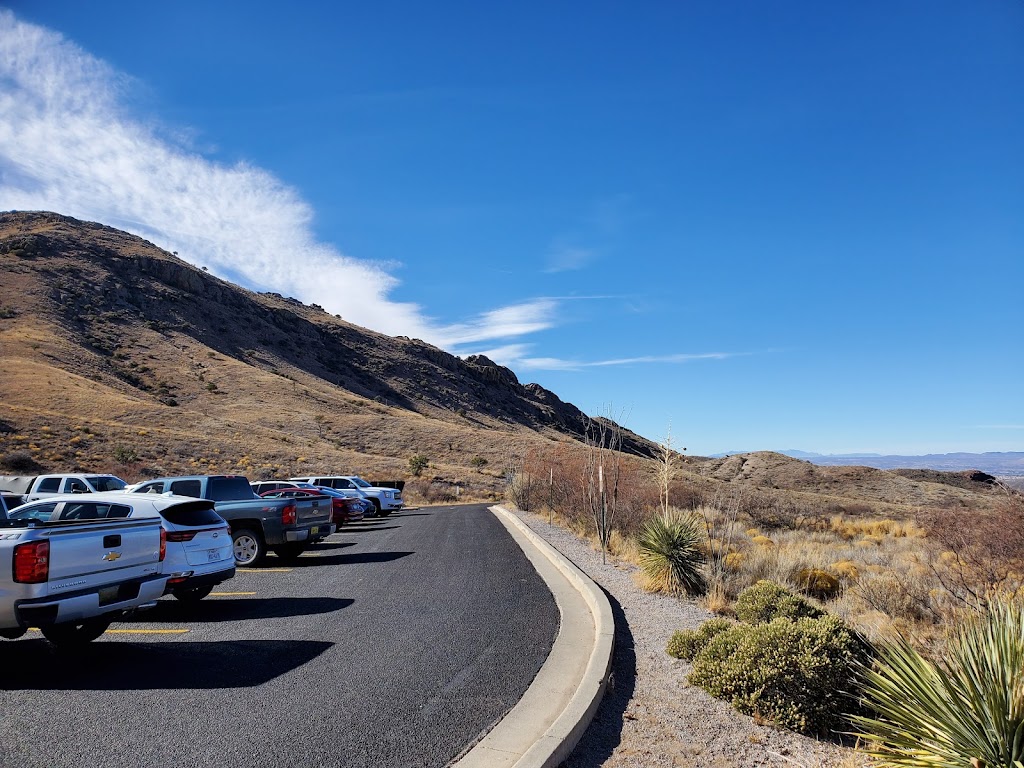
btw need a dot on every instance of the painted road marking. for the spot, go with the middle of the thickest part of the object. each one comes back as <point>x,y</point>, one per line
<point>263,570</point>
<point>227,594</point>
<point>147,631</point>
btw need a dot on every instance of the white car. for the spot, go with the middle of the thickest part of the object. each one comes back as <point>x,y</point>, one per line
<point>199,551</point>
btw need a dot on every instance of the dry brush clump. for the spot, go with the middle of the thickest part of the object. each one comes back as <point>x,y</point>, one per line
<point>787,662</point>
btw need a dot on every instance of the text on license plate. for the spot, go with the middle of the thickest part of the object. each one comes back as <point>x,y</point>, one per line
<point>314,530</point>
<point>212,554</point>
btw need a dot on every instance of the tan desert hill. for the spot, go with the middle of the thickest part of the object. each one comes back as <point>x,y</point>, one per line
<point>118,356</point>
<point>116,352</point>
<point>907,490</point>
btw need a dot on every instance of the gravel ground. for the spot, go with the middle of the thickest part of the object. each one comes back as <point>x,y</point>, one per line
<point>650,715</point>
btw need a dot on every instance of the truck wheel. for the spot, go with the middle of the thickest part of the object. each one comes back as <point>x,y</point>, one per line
<point>248,546</point>
<point>377,512</point>
<point>289,552</point>
<point>71,634</point>
<point>193,595</point>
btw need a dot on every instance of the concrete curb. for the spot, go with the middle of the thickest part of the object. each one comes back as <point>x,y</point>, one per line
<point>548,722</point>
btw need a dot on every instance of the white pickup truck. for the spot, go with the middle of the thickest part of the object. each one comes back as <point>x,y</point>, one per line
<point>385,500</point>
<point>21,489</point>
<point>72,577</point>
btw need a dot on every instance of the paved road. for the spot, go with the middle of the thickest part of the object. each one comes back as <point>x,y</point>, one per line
<point>395,643</point>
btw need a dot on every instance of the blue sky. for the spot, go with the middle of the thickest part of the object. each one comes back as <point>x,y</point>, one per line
<point>768,225</point>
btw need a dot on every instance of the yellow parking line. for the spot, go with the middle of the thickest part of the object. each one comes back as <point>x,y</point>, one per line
<point>227,594</point>
<point>263,570</point>
<point>134,632</point>
<point>147,631</point>
<point>312,554</point>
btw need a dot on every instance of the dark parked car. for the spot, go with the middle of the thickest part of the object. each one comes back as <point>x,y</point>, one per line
<point>343,509</point>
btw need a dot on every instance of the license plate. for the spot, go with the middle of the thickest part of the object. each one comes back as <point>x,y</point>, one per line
<point>314,530</point>
<point>212,554</point>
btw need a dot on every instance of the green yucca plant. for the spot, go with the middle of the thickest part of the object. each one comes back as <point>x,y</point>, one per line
<point>671,555</point>
<point>966,711</point>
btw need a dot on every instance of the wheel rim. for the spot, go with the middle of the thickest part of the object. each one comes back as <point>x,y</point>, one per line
<point>245,547</point>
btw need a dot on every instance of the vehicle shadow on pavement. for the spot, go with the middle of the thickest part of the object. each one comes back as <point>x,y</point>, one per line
<point>332,545</point>
<point>243,609</point>
<point>353,559</point>
<point>373,528</point>
<point>120,666</point>
<point>605,731</point>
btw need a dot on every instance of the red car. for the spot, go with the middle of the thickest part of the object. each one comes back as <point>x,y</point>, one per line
<point>343,509</point>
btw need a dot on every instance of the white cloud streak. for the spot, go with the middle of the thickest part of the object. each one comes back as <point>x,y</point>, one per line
<point>68,144</point>
<point>517,356</point>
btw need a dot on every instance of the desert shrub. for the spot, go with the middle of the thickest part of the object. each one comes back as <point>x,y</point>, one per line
<point>19,461</point>
<point>766,601</point>
<point>819,584</point>
<point>418,463</point>
<point>796,674</point>
<point>670,553</point>
<point>125,454</point>
<point>478,463</point>
<point>968,710</point>
<point>687,643</point>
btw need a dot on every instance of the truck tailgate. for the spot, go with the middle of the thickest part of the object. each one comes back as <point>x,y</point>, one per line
<point>86,555</point>
<point>313,510</point>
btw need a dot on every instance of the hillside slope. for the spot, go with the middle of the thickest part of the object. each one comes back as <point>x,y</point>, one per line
<point>118,356</point>
<point>113,346</point>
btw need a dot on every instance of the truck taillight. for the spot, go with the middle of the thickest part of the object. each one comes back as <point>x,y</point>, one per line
<point>181,535</point>
<point>32,562</point>
<point>289,514</point>
<point>163,544</point>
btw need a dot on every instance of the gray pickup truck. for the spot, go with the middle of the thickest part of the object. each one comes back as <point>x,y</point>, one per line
<point>71,578</point>
<point>285,526</point>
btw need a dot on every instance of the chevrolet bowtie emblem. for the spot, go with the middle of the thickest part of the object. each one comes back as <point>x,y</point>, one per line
<point>111,556</point>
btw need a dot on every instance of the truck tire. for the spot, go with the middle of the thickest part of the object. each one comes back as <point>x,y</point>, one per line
<point>71,634</point>
<point>192,595</point>
<point>377,511</point>
<point>289,553</point>
<point>248,546</point>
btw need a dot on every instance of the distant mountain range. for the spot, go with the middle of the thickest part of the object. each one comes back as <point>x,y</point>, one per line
<point>1004,464</point>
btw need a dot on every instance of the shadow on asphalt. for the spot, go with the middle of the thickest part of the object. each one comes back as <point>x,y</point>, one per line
<point>605,732</point>
<point>129,666</point>
<point>242,609</point>
<point>332,545</point>
<point>353,559</point>
<point>374,528</point>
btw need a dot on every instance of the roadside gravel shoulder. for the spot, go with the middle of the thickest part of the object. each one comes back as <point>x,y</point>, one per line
<point>651,716</point>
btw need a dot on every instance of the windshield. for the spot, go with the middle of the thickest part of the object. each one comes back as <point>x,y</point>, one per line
<point>361,483</point>
<point>107,483</point>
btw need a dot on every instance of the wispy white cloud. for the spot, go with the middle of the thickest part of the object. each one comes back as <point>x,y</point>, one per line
<point>568,259</point>
<point>518,356</point>
<point>69,144</point>
<point>559,364</point>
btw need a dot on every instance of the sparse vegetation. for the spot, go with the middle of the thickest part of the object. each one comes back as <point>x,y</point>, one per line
<point>671,554</point>
<point>19,461</point>
<point>125,454</point>
<point>418,463</point>
<point>795,674</point>
<point>965,710</point>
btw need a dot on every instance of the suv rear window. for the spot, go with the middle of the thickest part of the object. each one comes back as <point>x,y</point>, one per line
<point>90,510</point>
<point>228,488</point>
<point>192,513</point>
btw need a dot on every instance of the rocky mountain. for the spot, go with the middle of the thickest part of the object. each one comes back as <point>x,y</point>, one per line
<point>106,334</point>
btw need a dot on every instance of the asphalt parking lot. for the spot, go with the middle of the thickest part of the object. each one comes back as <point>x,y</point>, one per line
<point>396,642</point>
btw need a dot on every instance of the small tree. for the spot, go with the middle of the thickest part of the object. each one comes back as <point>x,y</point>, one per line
<point>478,463</point>
<point>418,463</point>
<point>322,427</point>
